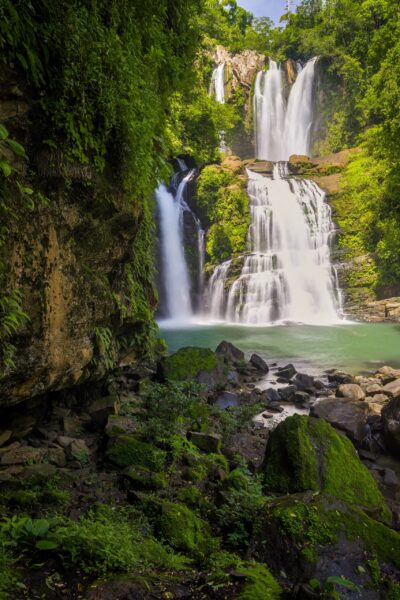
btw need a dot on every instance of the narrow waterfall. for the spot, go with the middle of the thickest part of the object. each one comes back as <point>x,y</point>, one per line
<point>287,275</point>
<point>175,272</point>
<point>283,129</point>
<point>218,83</point>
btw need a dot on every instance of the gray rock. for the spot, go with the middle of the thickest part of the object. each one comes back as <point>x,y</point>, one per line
<point>348,416</point>
<point>71,426</point>
<point>64,441</point>
<point>102,408</point>
<point>120,425</point>
<point>271,395</point>
<point>233,377</point>
<point>287,393</point>
<point>208,442</point>
<point>304,382</point>
<point>227,400</point>
<point>287,372</point>
<point>302,398</point>
<point>259,363</point>
<point>40,472</point>
<point>230,352</point>
<point>340,377</point>
<point>351,391</point>
<point>56,456</point>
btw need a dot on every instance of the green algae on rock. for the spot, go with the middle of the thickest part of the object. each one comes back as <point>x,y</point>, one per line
<point>304,453</point>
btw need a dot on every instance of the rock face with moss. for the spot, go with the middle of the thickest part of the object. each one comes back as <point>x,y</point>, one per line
<point>304,453</point>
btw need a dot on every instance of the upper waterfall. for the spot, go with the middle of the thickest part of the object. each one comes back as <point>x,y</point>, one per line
<point>218,83</point>
<point>283,128</point>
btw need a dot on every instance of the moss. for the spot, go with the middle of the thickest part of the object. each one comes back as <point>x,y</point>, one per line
<point>308,454</point>
<point>126,451</point>
<point>189,362</point>
<point>260,584</point>
<point>189,495</point>
<point>184,530</point>
<point>143,478</point>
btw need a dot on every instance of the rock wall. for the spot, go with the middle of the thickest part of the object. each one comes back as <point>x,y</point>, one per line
<point>79,258</point>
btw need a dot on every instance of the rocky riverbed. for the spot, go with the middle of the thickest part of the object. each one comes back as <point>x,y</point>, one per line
<point>214,457</point>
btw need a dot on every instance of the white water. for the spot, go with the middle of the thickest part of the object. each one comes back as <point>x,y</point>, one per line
<point>175,273</point>
<point>287,276</point>
<point>283,129</point>
<point>218,83</point>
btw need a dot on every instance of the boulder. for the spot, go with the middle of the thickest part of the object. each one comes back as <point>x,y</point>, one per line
<point>340,377</point>
<point>271,395</point>
<point>304,382</point>
<point>391,425</point>
<point>227,400</point>
<point>102,408</point>
<point>304,453</point>
<point>287,372</point>
<point>201,364</point>
<point>56,456</point>
<point>208,442</point>
<point>351,391</point>
<point>120,425</point>
<point>392,388</point>
<point>259,363</point>
<point>71,426</point>
<point>287,393</point>
<point>373,388</point>
<point>127,450</point>
<point>345,415</point>
<point>79,451</point>
<point>5,436</point>
<point>230,352</point>
<point>144,479</point>
<point>23,455</point>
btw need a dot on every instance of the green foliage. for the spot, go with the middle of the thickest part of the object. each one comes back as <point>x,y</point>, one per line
<point>126,451</point>
<point>223,203</point>
<point>8,575</point>
<point>328,589</point>
<point>260,584</point>
<point>186,363</point>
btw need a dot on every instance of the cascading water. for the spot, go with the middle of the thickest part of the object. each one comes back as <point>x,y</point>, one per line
<point>287,275</point>
<point>218,83</point>
<point>175,272</point>
<point>283,129</point>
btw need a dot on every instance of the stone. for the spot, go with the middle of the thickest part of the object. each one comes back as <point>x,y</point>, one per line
<point>373,388</point>
<point>38,473</point>
<point>9,448</point>
<point>71,426</point>
<point>230,352</point>
<point>56,456</point>
<point>304,453</point>
<point>208,442</point>
<point>287,372</point>
<point>345,415</point>
<point>392,388</point>
<point>275,407</point>
<point>287,393</point>
<point>102,408</point>
<point>23,455</point>
<point>233,378</point>
<point>259,363</point>
<point>390,478</point>
<point>227,400</point>
<point>79,451</point>
<point>351,391</point>
<point>304,382</point>
<point>127,450</point>
<point>64,441</point>
<point>270,395</point>
<point>267,416</point>
<point>301,398</point>
<point>120,425</point>
<point>22,426</point>
<point>391,425</point>
<point>340,377</point>
<point>5,436</point>
<point>144,479</point>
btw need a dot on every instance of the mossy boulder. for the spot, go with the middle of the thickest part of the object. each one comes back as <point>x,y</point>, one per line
<point>304,453</point>
<point>316,536</point>
<point>126,451</point>
<point>201,364</point>
<point>259,585</point>
<point>143,479</point>
<point>183,529</point>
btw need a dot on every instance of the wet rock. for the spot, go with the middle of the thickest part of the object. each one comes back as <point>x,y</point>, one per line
<point>391,425</point>
<point>287,393</point>
<point>270,396</point>
<point>304,382</point>
<point>345,415</point>
<point>340,378</point>
<point>208,442</point>
<point>301,398</point>
<point>275,407</point>
<point>102,408</point>
<point>232,378</point>
<point>230,352</point>
<point>351,391</point>
<point>287,372</point>
<point>227,400</point>
<point>259,363</point>
<point>22,456</point>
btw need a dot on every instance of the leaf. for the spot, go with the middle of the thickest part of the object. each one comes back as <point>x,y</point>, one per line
<point>5,167</point>
<point>346,583</point>
<point>3,132</point>
<point>40,527</point>
<point>16,148</point>
<point>46,545</point>
<point>314,583</point>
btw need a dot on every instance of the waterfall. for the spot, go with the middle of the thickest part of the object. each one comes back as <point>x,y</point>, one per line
<point>287,275</point>
<point>175,272</point>
<point>283,129</point>
<point>218,83</point>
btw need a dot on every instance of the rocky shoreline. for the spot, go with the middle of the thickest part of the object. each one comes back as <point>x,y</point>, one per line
<point>205,471</point>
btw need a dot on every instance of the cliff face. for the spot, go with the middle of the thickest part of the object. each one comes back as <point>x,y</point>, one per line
<point>79,257</point>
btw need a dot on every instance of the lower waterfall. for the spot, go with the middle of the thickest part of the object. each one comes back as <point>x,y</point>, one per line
<point>287,275</point>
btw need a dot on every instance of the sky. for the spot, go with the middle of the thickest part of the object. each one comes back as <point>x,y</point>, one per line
<point>265,8</point>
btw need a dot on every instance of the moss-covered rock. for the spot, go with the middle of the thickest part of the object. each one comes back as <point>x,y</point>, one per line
<point>126,451</point>
<point>144,479</point>
<point>260,584</point>
<point>201,364</point>
<point>316,536</point>
<point>304,453</point>
<point>183,529</point>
